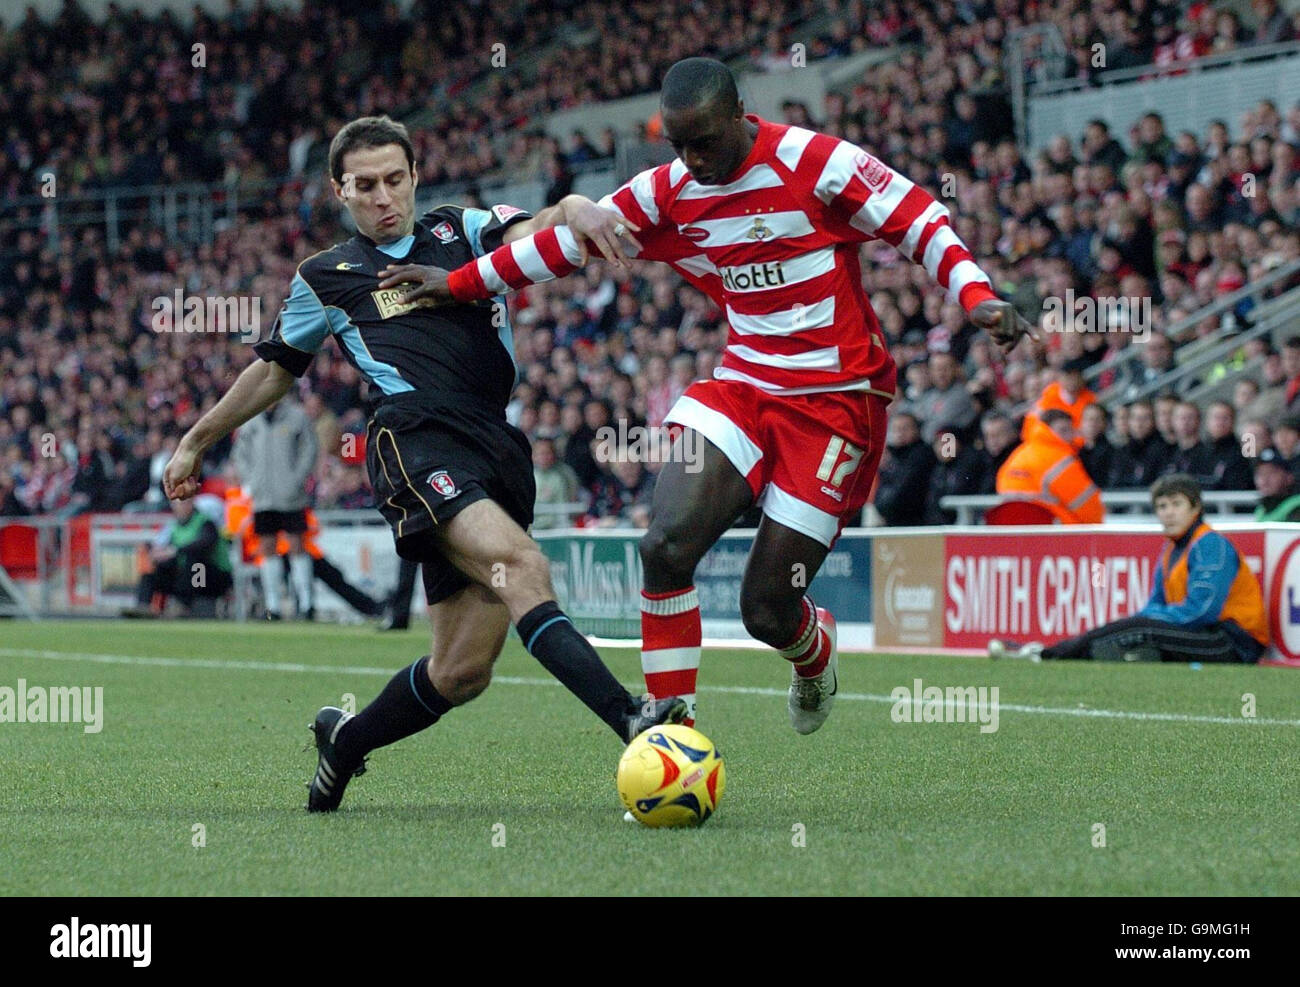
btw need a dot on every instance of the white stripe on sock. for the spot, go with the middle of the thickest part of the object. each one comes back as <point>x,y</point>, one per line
<point>671,606</point>
<point>670,660</point>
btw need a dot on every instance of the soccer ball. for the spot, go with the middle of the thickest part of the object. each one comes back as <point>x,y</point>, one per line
<point>671,776</point>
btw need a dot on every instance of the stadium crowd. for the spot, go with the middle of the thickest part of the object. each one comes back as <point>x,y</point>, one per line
<point>93,397</point>
<point>256,94</point>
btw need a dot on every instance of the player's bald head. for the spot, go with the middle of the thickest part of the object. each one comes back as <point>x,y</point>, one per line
<point>698,83</point>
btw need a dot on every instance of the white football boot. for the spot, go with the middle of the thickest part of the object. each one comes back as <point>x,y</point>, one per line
<point>811,699</point>
<point>1033,651</point>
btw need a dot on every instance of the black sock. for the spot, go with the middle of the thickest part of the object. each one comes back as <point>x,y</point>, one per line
<point>551,638</point>
<point>408,704</point>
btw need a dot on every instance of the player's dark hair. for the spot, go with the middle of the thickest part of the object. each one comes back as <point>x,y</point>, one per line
<point>694,82</point>
<point>1174,484</point>
<point>368,132</point>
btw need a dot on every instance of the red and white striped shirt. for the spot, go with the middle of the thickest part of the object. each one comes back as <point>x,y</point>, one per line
<point>777,249</point>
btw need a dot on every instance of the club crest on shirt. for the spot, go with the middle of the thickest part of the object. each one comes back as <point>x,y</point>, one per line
<point>872,172</point>
<point>759,231</point>
<point>444,484</point>
<point>445,232</point>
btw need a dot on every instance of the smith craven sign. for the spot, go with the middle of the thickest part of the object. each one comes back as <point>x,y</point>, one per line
<point>1041,589</point>
<point>938,590</point>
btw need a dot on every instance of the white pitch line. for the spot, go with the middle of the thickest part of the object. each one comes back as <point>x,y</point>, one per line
<point>739,690</point>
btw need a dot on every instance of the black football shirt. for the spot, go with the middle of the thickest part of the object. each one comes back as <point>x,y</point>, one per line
<point>453,350</point>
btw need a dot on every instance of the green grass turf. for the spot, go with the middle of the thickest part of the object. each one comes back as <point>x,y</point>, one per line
<point>888,808</point>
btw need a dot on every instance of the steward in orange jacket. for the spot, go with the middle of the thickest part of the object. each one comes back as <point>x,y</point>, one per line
<point>1067,393</point>
<point>1045,469</point>
<point>239,524</point>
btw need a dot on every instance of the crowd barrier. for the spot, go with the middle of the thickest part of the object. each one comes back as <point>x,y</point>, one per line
<point>935,590</point>
<point>931,590</point>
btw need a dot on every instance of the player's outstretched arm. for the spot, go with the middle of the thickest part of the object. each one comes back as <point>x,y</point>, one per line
<point>608,231</point>
<point>880,202</point>
<point>543,256</point>
<point>261,385</point>
<point>1006,326</point>
<point>525,258</point>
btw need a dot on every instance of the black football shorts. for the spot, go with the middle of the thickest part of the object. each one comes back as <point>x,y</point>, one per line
<point>273,522</point>
<point>429,460</point>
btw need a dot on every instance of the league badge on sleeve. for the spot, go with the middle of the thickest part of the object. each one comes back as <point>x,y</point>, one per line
<point>872,171</point>
<point>503,213</point>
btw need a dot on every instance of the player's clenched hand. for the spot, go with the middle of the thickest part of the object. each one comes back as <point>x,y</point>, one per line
<point>1005,325</point>
<point>428,285</point>
<point>609,231</point>
<point>181,477</point>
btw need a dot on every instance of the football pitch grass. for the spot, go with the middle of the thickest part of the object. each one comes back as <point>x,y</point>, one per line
<point>205,740</point>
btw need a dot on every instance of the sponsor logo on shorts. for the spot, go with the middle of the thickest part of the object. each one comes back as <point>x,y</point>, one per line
<point>445,232</point>
<point>443,483</point>
<point>837,495</point>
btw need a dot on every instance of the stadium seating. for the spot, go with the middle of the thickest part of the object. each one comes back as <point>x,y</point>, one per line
<point>84,366</point>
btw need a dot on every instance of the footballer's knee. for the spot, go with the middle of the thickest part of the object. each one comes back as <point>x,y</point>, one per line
<point>458,680</point>
<point>772,619</point>
<point>669,557</point>
<point>522,578</point>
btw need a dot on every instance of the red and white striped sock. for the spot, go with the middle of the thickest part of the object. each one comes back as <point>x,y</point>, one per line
<point>811,648</point>
<point>670,644</point>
